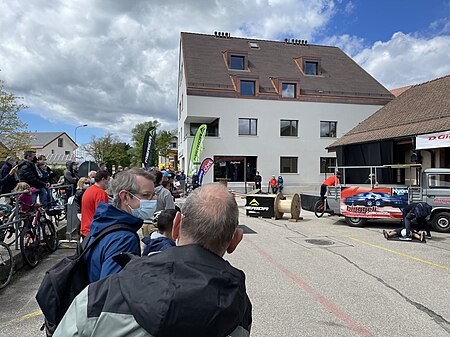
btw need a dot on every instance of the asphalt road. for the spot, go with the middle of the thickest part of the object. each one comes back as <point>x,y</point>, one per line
<point>315,277</point>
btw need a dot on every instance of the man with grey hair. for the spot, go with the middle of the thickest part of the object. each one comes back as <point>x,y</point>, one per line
<point>189,290</point>
<point>133,192</point>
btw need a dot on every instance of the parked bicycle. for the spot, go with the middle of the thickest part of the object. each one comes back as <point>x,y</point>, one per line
<point>6,258</point>
<point>30,235</point>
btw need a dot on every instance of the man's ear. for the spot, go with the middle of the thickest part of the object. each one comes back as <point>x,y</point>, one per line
<point>176,226</point>
<point>124,196</point>
<point>237,237</point>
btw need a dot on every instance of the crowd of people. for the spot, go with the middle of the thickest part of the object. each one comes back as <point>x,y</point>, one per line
<point>179,283</point>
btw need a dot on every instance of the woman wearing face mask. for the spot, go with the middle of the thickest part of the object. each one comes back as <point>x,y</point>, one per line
<point>134,202</point>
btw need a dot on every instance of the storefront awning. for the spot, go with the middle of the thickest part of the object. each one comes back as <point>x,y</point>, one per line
<point>433,140</point>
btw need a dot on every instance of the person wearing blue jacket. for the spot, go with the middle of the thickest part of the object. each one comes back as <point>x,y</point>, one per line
<point>133,192</point>
<point>164,240</point>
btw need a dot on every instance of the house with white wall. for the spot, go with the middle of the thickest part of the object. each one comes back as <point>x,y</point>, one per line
<point>58,147</point>
<point>269,106</point>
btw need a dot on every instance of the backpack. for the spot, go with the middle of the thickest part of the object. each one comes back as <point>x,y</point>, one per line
<point>422,210</point>
<point>65,280</point>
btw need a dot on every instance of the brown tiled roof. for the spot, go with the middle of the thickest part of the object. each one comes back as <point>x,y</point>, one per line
<point>206,70</point>
<point>424,108</point>
<point>397,92</point>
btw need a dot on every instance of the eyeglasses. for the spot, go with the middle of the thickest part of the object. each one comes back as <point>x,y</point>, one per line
<point>147,196</point>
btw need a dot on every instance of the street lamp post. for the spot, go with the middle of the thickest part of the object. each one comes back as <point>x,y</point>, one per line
<point>76,149</point>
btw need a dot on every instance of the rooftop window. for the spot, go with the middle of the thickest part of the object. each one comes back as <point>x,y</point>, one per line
<point>237,62</point>
<point>288,90</point>
<point>311,68</point>
<point>247,88</point>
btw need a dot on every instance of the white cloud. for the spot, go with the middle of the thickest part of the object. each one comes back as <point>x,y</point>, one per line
<point>115,63</point>
<point>406,59</point>
<point>349,7</point>
<point>349,44</point>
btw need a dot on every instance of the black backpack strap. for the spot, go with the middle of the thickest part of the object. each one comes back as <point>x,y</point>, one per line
<point>101,235</point>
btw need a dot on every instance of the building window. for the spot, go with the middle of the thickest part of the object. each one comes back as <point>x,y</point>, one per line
<point>60,142</point>
<point>288,90</point>
<point>247,88</point>
<point>237,62</point>
<point>288,164</point>
<point>67,153</point>
<point>327,164</point>
<point>311,68</point>
<point>212,129</point>
<point>288,128</point>
<point>248,126</point>
<point>328,129</point>
<point>53,151</point>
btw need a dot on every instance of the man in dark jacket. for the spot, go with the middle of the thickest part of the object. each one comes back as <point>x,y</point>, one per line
<point>8,179</point>
<point>30,173</point>
<point>188,290</point>
<point>419,211</point>
<point>10,182</point>
<point>70,178</point>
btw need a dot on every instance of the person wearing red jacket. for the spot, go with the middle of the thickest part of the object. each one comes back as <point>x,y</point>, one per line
<point>273,184</point>
<point>330,181</point>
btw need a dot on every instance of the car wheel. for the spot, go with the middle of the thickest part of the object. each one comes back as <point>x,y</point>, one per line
<point>369,203</point>
<point>355,221</point>
<point>441,222</point>
<point>378,203</point>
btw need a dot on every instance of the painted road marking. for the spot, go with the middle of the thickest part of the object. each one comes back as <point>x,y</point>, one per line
<point>402,254</point>
<point>352,324</point>
<point>20,319</point>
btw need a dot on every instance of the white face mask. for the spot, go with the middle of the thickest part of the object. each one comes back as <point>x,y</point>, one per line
<point>146,209</point>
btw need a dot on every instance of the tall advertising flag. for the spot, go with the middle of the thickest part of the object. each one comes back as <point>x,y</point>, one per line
<point>148,147</point>
<point>204,168</point>
<point>197,149</point>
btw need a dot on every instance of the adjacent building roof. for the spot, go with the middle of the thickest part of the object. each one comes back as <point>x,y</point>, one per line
<point>206,71</point>
<point>422,109</point>
<point>397,92</point>
<point>41,139</point>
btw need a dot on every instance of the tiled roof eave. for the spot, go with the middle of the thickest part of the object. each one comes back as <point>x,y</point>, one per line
<point>401,131</point>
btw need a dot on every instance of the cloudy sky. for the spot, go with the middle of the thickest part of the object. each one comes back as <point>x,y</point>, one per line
<point>113,63</point>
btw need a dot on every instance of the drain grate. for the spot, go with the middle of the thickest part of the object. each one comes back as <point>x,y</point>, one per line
<point>320,242</point>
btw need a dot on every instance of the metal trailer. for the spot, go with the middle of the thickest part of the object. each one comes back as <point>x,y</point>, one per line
<point>360,201</point>
<point>431,185</point>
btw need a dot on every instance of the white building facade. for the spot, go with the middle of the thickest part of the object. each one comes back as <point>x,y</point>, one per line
<point>282,127</point>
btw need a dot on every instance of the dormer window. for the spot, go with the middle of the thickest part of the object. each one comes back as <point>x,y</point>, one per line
<point>309,65</point>
<point>288,90</point>
<point>237,62</point>
<point>247,88</point>
<point>311,68</point>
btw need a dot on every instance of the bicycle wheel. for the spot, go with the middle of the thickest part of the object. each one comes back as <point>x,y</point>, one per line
<point>6,265</point>
<point>29,246</point>
<point>49,234</point>
<point>319,208</point>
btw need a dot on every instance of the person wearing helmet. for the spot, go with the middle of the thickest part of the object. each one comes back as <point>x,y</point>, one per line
<point>273,184</point>
<point>280,182</point>
<point>330,181</point>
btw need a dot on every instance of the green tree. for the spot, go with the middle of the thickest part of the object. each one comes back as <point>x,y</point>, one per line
<point>163,141</point>
<point>138,135</point>
<point>13,135</point>
<point>110,150</point>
